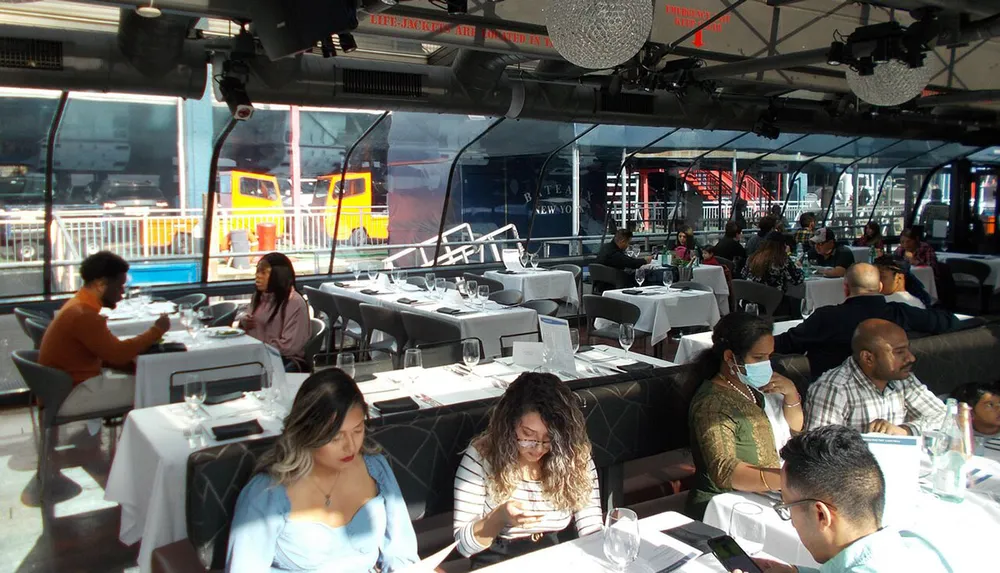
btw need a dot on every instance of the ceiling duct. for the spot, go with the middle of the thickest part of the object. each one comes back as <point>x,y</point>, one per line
<point>153,45</point>
<point>93,62</point>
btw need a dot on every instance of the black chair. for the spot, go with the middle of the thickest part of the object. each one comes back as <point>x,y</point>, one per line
<point>542,307</point>
<point>417,282</point>
<point>222,313</point>
<point>427,329</point>
<point>507,297</point>
<point>53,387</point>
<point>692,285</point>
<point>349,310</point>
<point>617,311</point>
<point>196,300</point>
<point>317,335</point>
<point>323,303</point>
<point>728,264</point>
<point>218,387</point>
<point>35,331</point>
<point>603,278</point>
<point>495,286</point>
<point>446,352</point>
<point>388,321</point>
<point>768,297</point>
<point>23,314</point>
<point>978,270</point>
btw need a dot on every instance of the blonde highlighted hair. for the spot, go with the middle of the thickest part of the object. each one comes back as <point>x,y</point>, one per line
<point>566,480</point>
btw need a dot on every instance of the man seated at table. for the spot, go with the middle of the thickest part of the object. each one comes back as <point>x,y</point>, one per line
<point>806,230</point>
<point>729,246</point>
<point>834,495</point>
<point>613,253</point>
<point>825,337</point>
<point>914,251</point>
<point>899,284</point>
<point>827,253</point>
<point>875,390</point>
<point>79,342</point>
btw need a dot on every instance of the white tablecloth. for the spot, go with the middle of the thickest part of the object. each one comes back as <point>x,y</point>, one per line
<point>715,277</point>
<point>538,285</point>
<point>860,254</point>
<point>488,326</point>
<point>820,291</point>
<point>994,263</point>
<point>152,379</point>
<point>148,474</point>
<point>952,528</point>
<point>586,555</point>
<point>668,309</point>
<point>693,344</point>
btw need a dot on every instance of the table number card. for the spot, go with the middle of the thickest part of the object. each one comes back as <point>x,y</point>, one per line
<point>512,260</point>
<point>555,337</point>
<point>899,458</point>
<point>528,354</point>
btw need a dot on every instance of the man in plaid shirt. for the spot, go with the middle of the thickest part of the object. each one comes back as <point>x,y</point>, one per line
<point>807,226</point>
<point>874,390</point>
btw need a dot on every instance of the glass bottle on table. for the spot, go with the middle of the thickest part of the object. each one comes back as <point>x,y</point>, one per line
<point>948,477</point>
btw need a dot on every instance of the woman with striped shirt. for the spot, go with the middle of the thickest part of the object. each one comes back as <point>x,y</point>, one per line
<point>523,479</point>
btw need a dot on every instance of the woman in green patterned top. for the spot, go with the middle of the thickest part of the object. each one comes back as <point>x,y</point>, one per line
<point>739,413</point>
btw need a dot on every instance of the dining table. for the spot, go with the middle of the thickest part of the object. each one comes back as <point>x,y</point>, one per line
<point>539,284</point>
<point>662,308</point>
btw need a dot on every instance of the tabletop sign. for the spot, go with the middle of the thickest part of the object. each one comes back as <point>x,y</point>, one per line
<point>899,458</point>
<point>528,354</point>
<point>555,337</point>
<point>512,260</point>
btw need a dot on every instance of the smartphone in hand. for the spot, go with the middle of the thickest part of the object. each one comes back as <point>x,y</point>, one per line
<point>731,555</point>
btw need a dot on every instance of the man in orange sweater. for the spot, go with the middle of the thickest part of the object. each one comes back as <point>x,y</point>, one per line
<point>79,342</point>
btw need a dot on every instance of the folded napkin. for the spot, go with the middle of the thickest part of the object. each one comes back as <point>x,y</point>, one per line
<point>449,311</point>
<point>397,405</point>
<point>508,272</point>
<point>696,534</point>
<point>222,398</point>
<point>371,292</point>
<point>405,300</point>
<point>633,292</point>
<point>238,430</point>
<point>634,367</point>
<point>165,347</point>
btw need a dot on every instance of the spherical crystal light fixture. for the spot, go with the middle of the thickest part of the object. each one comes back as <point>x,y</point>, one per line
<point>597,34</point>
<point>893,83</point>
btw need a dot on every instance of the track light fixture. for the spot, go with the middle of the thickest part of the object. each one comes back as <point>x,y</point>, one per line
<point>458,6</point>
<point>765,127</point>
<point>327,48</point>
<point>347,42</point>
<point>148,11</point>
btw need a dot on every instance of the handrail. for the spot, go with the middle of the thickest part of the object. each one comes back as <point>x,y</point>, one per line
<point>893,168</point>
<point>696,160</point>
<point>795,178</point>
<point>758,159</point>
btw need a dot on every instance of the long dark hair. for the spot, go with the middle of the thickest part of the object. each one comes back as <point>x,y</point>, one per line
<point>316,416</point>
<point>771,254</point>
<point>737,332</point>
<point>280,284</point>
<point>566,468</point>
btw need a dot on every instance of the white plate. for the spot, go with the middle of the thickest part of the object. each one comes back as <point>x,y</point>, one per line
<point>223,332</point>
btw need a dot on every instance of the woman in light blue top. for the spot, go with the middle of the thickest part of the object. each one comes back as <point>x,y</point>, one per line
<point>325,500</point>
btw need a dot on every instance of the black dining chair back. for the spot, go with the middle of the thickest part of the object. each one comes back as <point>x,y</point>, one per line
<point>979,271</point>
<point>603,278</point>
<point>388,321</point>
<point>35,331</point>
<point>222,313</point>
<point>495,285</point>
<point>507,297</point>
<point>542,307</point>
<point>196,300</point>
<point>349,310</point>
<point>748,291</point>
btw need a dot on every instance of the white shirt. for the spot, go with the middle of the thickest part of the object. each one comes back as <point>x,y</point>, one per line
<point>905,298</point>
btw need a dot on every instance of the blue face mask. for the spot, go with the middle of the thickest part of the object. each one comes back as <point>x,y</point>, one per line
<point>757,375</point>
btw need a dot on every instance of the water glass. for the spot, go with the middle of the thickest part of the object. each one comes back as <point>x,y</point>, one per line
<point>574,339</point>
<point>403,277</point>
<point>440,286</point>
<point>472,289</point>
<point>626,335</point>
<point>746,526</point>
<point>484,295</point>
<point>356,271</point>
<point>187,318</point>
<point>668,277</point>
<point>640,276</point>
<point>470,352</point>
<point>266,391</point>
<point>413,363</point>
<point>751,308</point>
<point>345,361</point>
<point>807,307</point>
<point>372,273</point>
<point>194,394</point>
<point>621,537</point>
<point>429,279</point>
<point>935,443</point>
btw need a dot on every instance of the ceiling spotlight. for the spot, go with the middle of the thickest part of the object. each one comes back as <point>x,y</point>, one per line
<point>838,54</point>
<point>327,48</point>
<point>347,42</point>
<point>148,11</point>
<point>234,92</point>
<point>458,6</point>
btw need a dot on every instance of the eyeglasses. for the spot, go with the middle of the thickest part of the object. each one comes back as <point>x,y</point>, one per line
<point>533,444</point>
<point>784,509</point>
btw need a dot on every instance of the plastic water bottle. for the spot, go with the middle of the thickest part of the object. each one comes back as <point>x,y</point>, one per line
<point>871,254</point>
<point>948,476</point>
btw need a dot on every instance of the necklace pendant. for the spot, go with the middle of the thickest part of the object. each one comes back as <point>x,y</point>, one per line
<point>327,502</point>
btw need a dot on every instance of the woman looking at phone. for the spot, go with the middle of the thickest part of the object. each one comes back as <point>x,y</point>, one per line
<point>521,480</point>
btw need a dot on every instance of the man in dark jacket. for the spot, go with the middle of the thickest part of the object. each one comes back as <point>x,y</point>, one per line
<point>613,253</point>
<point>729,247</point>
<point>825,337</point>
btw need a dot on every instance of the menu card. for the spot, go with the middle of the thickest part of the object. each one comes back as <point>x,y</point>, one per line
<point>555,337</point>
<point>512,259</point>
<point>899,458</point>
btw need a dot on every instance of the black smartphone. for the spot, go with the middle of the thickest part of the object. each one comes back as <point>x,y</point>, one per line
<point>731,555</point>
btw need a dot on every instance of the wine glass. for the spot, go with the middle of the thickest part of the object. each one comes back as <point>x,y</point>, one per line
<point>413,363</point>
<point>621,537</point>
<point>345,361</point>
<point>470,352</point>
<point>807,307</point>
<point>394,275</point>
<point>356,270</point>
<point>372,274</point>
<point>429,279</point>
<point>440,287</point>
<point>525,259</point>
<point>533,259</point>
<point>746,526</point>
<point>668,277</point>
<point>626,335</point>
<point>751,308</point>
<point>574,339</point>
<point>403,277</point>
<point>194,394</point>
<point>187,318</point>
<point>484,295</point>
<point>640,276</point>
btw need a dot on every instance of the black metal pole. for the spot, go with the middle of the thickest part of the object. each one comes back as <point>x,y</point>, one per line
<point>213,190</point>
<point>795,179</point>
<point>826,214</point>
<point>673,219</point>
<point>618,179</point>
<point>889,172</point>
<point>927,180</point>
<point>737,188</point>
<point>343,185</point>
<point>541,177</point>
<point>49,193</point>
<point>451,177</point>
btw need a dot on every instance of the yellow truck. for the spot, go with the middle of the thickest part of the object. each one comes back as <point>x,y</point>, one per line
<point>363,217</point>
